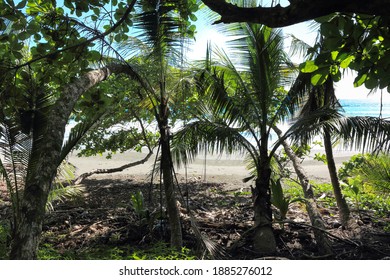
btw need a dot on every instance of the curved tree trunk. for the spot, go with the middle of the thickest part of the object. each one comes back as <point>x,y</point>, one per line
<point>85,175</point>
<point>311,204</point>
<point>340,200</point>
<point>45,158</point>
<point>297,11</point>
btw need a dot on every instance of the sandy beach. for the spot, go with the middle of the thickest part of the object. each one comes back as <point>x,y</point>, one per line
<point>222,168</point>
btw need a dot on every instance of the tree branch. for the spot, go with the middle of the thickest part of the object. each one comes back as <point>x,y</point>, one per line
<point>84,43</point>
<point>113,170</point>
<point>298,11</point>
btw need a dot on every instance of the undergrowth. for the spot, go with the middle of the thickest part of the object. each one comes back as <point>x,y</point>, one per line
<point>159,251</point>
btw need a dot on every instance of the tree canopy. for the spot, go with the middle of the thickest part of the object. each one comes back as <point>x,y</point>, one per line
<point>354,35</point>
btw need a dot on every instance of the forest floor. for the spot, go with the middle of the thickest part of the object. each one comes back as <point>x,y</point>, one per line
<point>103,219</point>
<point>102,222</point>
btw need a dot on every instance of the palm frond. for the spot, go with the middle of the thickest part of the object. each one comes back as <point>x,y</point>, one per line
<point>360,133</point>
<point>259,52</point>
<point>376,170</point>
<point>159,26</point>
<point>212,247</point>
<point>15,149</point>
<point>365,133</point>
<point>298,47</point>
<point>60,193</point>
<point>76,134</point>
<point>199,135</point>
<point>227,98</point>
<point>306,128</point>
<point>62,188</point>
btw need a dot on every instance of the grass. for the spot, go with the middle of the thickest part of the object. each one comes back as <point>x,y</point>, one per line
<point>159,251</point>
<point>3,241</point>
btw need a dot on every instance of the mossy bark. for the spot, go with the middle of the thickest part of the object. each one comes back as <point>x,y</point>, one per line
<point>45,157</point>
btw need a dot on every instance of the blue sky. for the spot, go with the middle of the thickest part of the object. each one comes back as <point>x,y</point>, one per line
<point>206,32</point>
<point>303,31</point>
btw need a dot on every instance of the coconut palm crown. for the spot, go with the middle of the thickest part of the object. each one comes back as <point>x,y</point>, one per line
<point>245,99</point>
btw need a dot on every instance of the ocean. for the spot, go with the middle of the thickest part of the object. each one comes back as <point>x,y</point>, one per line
<point>351,107</point>
<point>365,107</point>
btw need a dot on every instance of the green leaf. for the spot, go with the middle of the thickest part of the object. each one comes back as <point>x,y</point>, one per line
<point>17,54</point>
<point>37,37</point>
<point>69,5</point>
<point>360,79</point>
<point>193,17</point>
<point>345,63</point>
<point>324,19</point>
<point>335,73</point>
<point>334,55</point>
<point>371,82</point>
<point>23,35</point>
<point>321,157</point>
<point>320,76</point>
<point>94,55</point>
<point>11,3</point>
<point>21,4</point>
<point>118,38</point>
<point>308,66</point>
<point>96,11</point>
<point>24,75</point>
<point>60,11</point>
<point>330,30</point>
<point>332,43</point>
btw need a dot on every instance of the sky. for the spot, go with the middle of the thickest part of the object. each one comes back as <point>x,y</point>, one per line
<point>208,32</point>
<point>344,88</point>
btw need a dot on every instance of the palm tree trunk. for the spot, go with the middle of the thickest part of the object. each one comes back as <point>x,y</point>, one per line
<point>264,239</point>
<point>169,186</point>
<point>311,204</point>
<point>340,200</point>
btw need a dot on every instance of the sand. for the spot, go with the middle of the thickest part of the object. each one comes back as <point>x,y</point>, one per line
<point>222,169</point>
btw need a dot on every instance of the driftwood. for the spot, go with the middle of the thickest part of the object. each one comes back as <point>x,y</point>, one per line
<point>79,179</point>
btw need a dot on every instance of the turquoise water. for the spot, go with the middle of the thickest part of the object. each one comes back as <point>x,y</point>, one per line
<point>363,107</point>
<point>352,108</point>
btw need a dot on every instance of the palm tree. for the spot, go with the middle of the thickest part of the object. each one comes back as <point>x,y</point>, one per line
<point>323,242</point>
<point>320,115</point>
<point>311,99</point>
<point>242,101</point>
<point>162,30</point>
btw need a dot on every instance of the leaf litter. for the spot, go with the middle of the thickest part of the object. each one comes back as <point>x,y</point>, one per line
<point>104,216</point>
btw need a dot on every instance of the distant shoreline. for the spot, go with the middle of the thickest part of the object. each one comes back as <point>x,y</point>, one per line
<point>224,167</point>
